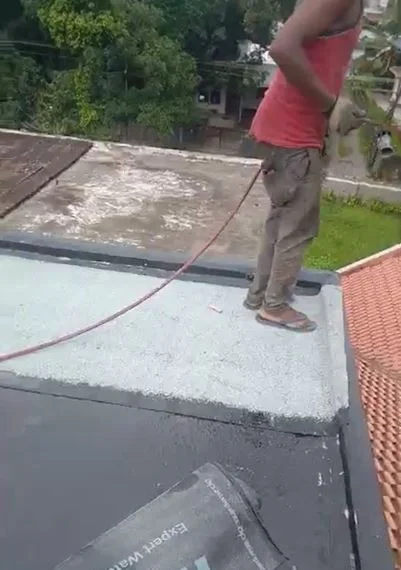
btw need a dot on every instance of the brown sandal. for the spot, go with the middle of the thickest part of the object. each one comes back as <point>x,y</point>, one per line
<point>301,324</point>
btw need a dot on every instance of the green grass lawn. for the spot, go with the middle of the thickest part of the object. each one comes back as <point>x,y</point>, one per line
<point>351,232</point>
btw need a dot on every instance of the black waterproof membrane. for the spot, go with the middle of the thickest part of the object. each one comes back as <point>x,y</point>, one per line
<point>209,521</point>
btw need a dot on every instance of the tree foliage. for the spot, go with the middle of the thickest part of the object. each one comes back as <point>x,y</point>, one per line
<point>381,53</point>
<point>262,16</point>
<point>125,69</point>
<point>20,81</point>
<point>79,66</point>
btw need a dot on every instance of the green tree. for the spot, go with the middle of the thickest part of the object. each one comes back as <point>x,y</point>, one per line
<point>9,12</point>
<point>262,16</point>
<point>126,70</point>
<point>381,53</point>
<point>206,30</point>
<point>211,31</point>
<point>108,61</point>
<point>20,81</point>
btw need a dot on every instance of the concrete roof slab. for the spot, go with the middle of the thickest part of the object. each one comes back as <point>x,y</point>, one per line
<point>149,198</point>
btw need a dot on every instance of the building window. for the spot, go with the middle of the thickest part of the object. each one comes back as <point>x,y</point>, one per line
<point>203,96</point>
<point>215,97</point>
<point>209,95</point>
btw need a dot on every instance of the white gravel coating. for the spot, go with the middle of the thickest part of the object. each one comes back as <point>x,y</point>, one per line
<point>193,340</point>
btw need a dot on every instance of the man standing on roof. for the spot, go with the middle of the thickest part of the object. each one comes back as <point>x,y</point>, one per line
<point>313,51</point>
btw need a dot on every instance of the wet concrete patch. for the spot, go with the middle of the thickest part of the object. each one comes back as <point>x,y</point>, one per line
<point>148,198</point>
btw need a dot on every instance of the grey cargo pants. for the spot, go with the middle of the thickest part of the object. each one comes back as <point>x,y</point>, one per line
<point>293,181</point>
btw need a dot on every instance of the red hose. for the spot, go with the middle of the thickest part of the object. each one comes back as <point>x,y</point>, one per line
<point>124,310</point>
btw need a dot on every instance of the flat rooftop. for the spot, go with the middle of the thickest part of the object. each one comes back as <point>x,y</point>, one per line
<point>93,429</point>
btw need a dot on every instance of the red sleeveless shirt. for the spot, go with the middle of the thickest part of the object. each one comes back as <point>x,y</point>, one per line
<point>285,117</point>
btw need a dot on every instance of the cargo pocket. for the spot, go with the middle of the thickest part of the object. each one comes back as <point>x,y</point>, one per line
<point>268,160</point>
<point>291,169</point>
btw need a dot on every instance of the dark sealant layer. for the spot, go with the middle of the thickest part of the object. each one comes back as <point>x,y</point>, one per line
<point>368,525</point>
<point>159,403</point>
<point>126,255</point>
<point>75,468</point>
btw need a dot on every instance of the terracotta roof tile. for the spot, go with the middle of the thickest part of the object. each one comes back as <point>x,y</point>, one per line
<point>373,304</point>
<point>372,297</point>
<point>381,396</point>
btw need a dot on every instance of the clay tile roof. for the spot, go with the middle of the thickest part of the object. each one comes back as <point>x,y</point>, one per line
<point>372,297</point>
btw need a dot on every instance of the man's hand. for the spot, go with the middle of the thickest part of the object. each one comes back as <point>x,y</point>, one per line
<point>345,117</point>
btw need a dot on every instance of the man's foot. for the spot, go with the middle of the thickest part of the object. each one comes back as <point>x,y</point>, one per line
<point>285,317</point>
<point>253,302</point>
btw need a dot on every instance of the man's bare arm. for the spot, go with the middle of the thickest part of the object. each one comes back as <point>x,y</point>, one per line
<point>310,20</point>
